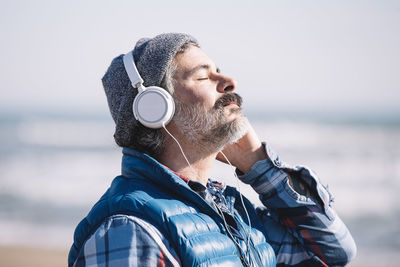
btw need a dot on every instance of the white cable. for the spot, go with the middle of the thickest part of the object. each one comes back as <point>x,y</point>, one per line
<point>241,197</point>
<point>183,154</point>
<point>195,172</point>
<point>215,205</point>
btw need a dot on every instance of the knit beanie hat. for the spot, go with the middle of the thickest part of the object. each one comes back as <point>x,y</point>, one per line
<point>152,57</point>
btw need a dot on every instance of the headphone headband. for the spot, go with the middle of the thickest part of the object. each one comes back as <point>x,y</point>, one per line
<point>132,71</point>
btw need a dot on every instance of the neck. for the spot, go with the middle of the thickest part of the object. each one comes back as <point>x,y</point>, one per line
<point>200,159</point>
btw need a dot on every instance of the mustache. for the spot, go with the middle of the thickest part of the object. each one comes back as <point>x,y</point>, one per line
<point>228,98</point>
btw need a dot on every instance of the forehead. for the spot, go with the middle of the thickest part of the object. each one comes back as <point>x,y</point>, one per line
<point>191,58</point>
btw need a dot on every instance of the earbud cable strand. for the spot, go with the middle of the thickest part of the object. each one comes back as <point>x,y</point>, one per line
<point>215,205</point>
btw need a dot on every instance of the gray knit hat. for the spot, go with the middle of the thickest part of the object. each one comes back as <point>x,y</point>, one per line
<point>152,58</point>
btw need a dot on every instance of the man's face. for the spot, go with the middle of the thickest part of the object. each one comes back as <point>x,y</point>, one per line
<point>198,80</point>
<point>208,111</point>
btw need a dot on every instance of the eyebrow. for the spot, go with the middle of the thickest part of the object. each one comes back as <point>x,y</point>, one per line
<point>199,67</point>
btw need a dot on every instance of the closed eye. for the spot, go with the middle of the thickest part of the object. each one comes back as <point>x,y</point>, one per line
<point>202,79</point>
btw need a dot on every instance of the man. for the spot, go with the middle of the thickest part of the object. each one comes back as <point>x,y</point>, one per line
<point>164,211</point>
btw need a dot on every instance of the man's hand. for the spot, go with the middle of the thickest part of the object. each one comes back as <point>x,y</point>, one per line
<point>245,152</point>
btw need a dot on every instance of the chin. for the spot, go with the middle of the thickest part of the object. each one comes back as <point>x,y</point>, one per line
<point>238,129</point>
<point>225,133</point>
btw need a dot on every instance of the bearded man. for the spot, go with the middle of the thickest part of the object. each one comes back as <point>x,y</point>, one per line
<point>163,210</point>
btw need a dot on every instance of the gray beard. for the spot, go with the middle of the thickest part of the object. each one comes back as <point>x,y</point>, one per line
<point>208,130</point>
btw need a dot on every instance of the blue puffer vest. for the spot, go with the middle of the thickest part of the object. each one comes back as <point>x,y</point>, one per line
<point>194,229</point>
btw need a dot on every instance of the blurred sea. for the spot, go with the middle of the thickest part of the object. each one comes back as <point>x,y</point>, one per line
<point>54,167</point>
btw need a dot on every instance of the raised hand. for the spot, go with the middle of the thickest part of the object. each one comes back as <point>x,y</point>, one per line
<point>245,152</point>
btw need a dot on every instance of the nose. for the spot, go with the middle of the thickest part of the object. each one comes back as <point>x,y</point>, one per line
<point>226,84</point>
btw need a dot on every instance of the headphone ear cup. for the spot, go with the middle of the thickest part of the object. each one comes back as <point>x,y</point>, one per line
<point>154,107</point>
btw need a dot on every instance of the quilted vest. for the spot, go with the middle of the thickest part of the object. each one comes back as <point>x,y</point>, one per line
<point>194,229</point>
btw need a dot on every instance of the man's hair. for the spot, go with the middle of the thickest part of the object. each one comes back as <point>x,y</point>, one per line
<point>147,140</point>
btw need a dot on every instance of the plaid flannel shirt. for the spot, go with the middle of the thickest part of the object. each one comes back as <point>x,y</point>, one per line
<point>303,231</point>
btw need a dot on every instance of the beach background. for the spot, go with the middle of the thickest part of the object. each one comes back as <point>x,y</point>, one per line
<point>320,82</point>
<point>53,169</point>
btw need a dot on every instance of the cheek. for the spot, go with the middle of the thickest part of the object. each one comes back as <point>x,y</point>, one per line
<point>191,94</point>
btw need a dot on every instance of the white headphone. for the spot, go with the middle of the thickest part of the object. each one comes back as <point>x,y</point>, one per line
<point>153,106</point>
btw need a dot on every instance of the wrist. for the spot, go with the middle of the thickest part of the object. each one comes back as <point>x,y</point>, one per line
<point>250,158</point>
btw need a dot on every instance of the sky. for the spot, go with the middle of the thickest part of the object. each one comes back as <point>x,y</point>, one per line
<point>316,55</point>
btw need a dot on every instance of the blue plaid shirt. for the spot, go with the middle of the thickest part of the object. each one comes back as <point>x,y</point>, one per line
<point>302,230</point>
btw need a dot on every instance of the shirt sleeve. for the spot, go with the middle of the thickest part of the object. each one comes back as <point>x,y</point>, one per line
<point>124,240</point>
<point>303,231</point>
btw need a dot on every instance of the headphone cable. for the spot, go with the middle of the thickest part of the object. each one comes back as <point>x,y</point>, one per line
<point>215,205</point>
